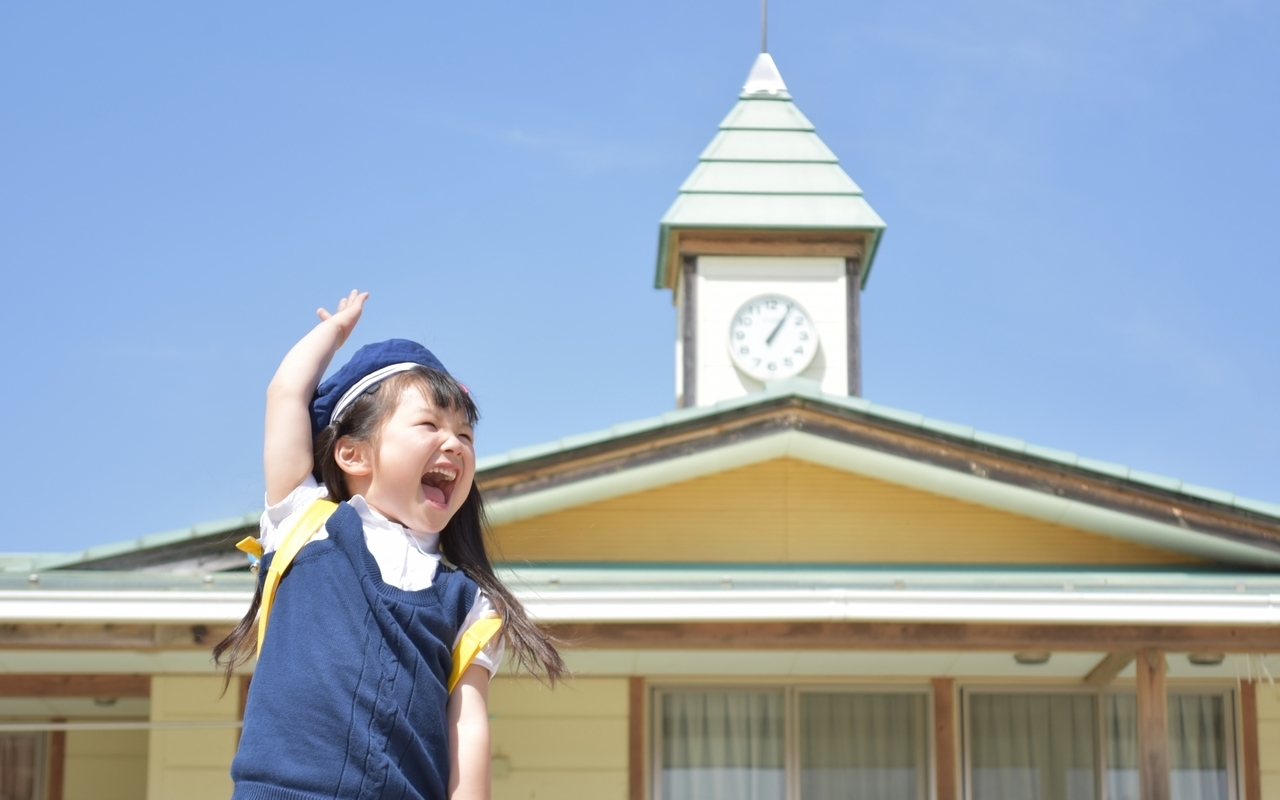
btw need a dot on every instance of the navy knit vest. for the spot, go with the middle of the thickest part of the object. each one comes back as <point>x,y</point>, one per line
<point>348,697</point>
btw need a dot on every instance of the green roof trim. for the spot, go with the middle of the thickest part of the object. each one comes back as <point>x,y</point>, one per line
<point>766,168</point>
<point>578,576</point>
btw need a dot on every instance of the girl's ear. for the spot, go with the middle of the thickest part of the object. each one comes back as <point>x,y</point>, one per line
<point>353,457</point>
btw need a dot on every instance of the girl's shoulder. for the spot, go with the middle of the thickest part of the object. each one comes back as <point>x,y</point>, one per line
<point>278,519</point>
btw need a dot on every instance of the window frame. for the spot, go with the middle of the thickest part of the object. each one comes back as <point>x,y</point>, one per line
<point>791,690</point>
<point>1231,732</point>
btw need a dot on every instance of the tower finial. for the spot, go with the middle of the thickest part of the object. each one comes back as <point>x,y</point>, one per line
<point>764,26</point>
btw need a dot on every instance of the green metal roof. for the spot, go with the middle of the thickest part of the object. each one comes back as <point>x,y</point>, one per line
<point>767,168</point>
<point>40,562</point>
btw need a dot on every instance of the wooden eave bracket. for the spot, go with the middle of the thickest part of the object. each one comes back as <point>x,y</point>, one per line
<point>758,242</point>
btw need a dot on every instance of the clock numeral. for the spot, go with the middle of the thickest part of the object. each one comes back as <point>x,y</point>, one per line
<point>739,335</point>
<point>744,320</point>
<point>800,350</point>
<point>800,320</point>
<point>771,304</point>
<point>787,362</point>
<point>773,365</point>
<point>804,337</point>
<point>758,360</point>
<point>746,351</point>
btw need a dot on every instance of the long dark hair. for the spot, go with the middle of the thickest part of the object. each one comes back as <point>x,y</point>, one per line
<point>462,542</point>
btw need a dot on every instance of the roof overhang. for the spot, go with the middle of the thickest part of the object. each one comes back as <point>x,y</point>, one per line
<point>853,435</point>
<point>675,241</point>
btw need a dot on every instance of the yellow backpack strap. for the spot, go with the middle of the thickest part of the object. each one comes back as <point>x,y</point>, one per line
<point>308,525</point>
<point>472,642</point>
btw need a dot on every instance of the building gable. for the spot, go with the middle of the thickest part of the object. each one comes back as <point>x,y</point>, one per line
<point>792,511</point>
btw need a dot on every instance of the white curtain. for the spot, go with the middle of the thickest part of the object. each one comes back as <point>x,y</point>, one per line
<point>723,745</point>
<point>862,746</point>
<point>21,766</point>
<point>1197,747</point>
<point>1033,747</point>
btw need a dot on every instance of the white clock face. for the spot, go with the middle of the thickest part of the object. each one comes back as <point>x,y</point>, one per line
<point>771,338</point>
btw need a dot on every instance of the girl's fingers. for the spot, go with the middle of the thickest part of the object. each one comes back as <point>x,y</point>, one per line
<point>322,314</point>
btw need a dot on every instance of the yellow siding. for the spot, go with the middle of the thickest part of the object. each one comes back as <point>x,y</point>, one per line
<point>105,765</point>
<point>570,744</point>
<point>191,764</point>
<point>794,511</point>
<point>1269,740</point>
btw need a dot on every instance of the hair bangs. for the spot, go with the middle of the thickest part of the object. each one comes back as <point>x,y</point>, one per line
<point>439,388</point>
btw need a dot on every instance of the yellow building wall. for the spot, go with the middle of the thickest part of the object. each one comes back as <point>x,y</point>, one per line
<point>105,765</point>
<point>794,511</point>
<point>570,744</point>
<point>1269,740</point>
<point>191,764</point>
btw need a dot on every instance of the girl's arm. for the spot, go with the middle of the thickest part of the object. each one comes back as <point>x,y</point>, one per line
<point>286,452</point>
<point>469,736</point>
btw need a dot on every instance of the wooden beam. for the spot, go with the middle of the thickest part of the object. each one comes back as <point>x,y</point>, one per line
<point>944,738</point>
<point>1108,668</point>
<point>46,685</point>
<point>728,242</point>
<point>1153,726</point>
<point>689,331</point>
<point>853,281</point>
<point>1249,729</point>
<point>913,636</point>
<point>635,738</point>
<point>57,763</point>
<point>58,636</point>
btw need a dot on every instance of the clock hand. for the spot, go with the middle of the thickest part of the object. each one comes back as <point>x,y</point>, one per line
<point>778,327</point>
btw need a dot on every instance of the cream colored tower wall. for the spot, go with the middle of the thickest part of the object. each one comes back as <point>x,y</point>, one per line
<point>1269,740</point>
<point>567,744</point>
<point>191,764</point>
<point>726,282</point>
<point>105,765</point>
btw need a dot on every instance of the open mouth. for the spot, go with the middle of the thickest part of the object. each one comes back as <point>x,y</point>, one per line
<point>437,485</point>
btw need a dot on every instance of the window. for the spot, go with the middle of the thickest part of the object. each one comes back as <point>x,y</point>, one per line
<point>22,766</point>
<point>790,743</point>
<point>1083,746</point>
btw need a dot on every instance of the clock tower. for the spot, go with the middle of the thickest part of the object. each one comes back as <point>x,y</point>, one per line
<point>766,250</point>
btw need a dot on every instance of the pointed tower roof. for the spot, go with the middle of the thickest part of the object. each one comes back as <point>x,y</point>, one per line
<point>766,169</point>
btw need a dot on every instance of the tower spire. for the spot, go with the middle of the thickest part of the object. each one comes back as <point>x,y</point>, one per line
<point>764,26</point>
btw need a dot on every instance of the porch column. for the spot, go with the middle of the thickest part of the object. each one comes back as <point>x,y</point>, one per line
<point>1153,726</point>
<point>944,738</point>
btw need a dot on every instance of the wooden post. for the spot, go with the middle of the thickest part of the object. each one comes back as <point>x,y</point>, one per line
<point>1153,727</point>
<point>57,762</point>
<point>635,739</point>
<point>1249,729</point>
<point>689,325</point>
<point>853,281</point>
<point>944,738</point>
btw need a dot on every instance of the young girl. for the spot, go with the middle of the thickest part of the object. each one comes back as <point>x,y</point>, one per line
<point>376,640</point>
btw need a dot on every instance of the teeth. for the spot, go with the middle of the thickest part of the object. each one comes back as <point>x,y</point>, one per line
<point>447,474</point>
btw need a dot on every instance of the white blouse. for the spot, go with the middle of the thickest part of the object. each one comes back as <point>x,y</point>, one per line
<point>406,558</point>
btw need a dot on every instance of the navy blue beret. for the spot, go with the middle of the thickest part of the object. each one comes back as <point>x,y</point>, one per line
<point>370,365</point>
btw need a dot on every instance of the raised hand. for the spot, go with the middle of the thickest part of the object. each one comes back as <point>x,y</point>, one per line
<point>346,316</point>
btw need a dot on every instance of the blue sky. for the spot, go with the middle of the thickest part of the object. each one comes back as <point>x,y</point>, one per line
<point>1080,199</point>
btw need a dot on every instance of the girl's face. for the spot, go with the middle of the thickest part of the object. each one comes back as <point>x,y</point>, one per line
<point>423,464</point>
